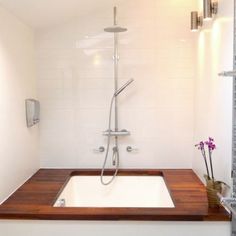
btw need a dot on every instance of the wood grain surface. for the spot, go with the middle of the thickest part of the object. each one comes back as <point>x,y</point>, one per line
<point>35,199</point>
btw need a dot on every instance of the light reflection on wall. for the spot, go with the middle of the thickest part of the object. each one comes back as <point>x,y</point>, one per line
<point>213,94</point>
<point>97,60</point>
<point>215,46</point>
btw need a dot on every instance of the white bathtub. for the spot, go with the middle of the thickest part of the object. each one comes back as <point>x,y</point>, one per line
<point>125,191</point>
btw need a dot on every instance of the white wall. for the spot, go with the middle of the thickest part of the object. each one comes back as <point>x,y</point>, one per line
<point>213,107</point>
<point>75,84</point>
<point>115,228</point>
<point>18,149</point>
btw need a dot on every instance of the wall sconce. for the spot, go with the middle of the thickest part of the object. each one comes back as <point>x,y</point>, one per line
<point>196,21</point>
<point>209,8</point>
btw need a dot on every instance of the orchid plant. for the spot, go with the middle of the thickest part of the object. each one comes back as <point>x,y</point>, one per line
<point>211,147</point>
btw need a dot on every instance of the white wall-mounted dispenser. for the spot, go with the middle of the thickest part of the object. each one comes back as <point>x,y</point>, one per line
<point>32,107</point>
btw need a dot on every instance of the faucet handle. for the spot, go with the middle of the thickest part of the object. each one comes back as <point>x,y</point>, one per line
<point>99,150</point>
<point>130,149</point>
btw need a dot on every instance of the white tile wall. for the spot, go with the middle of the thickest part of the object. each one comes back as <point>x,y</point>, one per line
<point>75,85</point>
<point>213,107</point>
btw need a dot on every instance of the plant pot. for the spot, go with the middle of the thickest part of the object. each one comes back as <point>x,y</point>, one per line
<point>213,187</point>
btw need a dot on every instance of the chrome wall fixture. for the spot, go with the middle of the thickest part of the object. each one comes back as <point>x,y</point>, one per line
<point>209,8</point>
<point>32,108</point>
<point>196,21</point>
<point>116,132</point>
<point>228,73</point>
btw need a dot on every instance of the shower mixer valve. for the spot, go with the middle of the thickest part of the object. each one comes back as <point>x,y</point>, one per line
<point>122,132</point>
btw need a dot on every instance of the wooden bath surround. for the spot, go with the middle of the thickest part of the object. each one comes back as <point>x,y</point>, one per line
<point>34,199</point>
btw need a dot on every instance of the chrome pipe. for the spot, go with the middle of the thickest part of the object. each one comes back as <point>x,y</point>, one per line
<point>115,15</point>
<point>116,77</point>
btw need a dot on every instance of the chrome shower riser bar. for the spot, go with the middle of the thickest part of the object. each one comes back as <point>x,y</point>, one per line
<point>109,133</point>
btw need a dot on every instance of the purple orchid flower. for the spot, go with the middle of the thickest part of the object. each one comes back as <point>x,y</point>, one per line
<point>211,145</point>
<point>200,146</point>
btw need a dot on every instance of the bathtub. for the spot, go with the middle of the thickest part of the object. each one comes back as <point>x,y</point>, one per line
<point>124,191</point>
<point>140,195</point>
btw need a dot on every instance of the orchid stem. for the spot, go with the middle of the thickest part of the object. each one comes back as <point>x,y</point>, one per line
<point>204,156</point>
<point>212,174</point>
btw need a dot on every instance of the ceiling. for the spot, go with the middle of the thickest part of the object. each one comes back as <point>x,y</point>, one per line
<point>45,13</point>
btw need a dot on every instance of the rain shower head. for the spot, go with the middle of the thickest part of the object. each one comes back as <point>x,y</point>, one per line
<point>123,87</point>
<point>115,29</point>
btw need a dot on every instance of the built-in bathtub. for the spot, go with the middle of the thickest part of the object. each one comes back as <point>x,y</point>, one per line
<point>147,195</point>
<point>124,191</point>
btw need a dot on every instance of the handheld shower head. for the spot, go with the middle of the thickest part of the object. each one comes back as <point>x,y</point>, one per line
<point>123,87</point>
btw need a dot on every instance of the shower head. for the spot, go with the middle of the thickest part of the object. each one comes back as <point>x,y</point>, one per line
<point>115,29</point>
<point>123,87</point>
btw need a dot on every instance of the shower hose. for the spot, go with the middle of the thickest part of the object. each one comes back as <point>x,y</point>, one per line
<point>115,156</point>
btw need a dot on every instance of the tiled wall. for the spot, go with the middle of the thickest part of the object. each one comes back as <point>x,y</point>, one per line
<point>213,107</point>
<point>75,84</point>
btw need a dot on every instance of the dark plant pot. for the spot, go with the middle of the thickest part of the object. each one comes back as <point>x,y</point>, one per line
<point>213,187</point>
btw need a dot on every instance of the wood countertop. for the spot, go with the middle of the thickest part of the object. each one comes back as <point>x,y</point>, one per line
<point>35,199</point>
